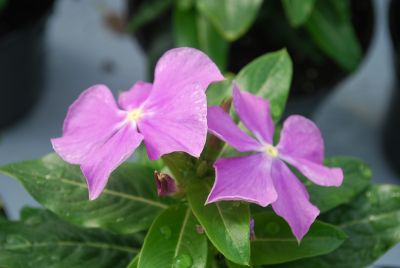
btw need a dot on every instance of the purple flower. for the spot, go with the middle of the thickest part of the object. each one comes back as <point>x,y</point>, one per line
<point>262,177</point>
<point>165,184</point>
<point>169,115</point>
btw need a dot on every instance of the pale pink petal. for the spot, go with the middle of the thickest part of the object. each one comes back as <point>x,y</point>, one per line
<point>301,138</point>
<point>222,126</point>
<point>246,178</point>
<point>106,158</point>
<point>293,201</point>
<point>254,113</point>
<point>91,120</point>
<point>319,174</point>
<point>177,123</point>
<point>181,67</point>
<point>135,96</point>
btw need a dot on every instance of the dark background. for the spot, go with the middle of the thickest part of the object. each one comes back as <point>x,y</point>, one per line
<point>82,51</point>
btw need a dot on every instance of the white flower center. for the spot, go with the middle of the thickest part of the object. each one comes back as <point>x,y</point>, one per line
<point>134,115</point>
<point>271,150</point>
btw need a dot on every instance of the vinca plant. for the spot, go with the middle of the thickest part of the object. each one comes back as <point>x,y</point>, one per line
<point>217,179</point>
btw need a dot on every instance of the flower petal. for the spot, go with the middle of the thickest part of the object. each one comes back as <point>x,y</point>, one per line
<point>176,123</point>
<point>106,158</point>
<point>319,174</point>
<point>221,125</point>
<point>245,178</point>
<point>91,120</point>
<point>135,96</point>
<point>180,67</point>
<point>293,201</point>
<point>255,114</point>
<point>301,138</point>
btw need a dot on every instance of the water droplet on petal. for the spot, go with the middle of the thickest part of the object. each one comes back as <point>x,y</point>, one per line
<point>182,261</point>
<point>17,243</point>
<point>166,232</point>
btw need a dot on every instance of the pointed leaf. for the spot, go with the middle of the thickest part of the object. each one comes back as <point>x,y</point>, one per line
<point>357,177</point>
<point>372,222</point>
<point>274,241</point>
<point>331,28</point>
<point>298,11</point>
<point>147,12</point>
<point>128,204</point>
<point>193,30</point>
<point>225,223</point>
<point>231,17</point>
<point>173,241</point>
<point>43,240</point>
<point>269,76</point>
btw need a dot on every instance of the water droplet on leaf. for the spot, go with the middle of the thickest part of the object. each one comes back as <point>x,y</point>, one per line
<point>17,243</point>
<point>166,232</point>
<point>182,261</point>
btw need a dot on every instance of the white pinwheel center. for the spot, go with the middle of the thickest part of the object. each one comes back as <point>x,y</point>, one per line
<point>134,115</point>
<point>271,150</point>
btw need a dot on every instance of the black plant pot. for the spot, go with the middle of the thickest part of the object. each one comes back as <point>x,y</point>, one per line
<point>391,135</point>
<point>22,56</point>
<point>314,74</point>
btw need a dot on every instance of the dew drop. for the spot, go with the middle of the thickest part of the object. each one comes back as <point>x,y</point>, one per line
<point>166,232</point>
<point>17,243</point>
<point>182,261</point>
<point>33,221</point>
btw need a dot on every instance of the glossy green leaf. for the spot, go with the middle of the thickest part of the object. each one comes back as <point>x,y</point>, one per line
<point>43,240</point>
<point>128,204</point>
<point>232,18</point>
<point>269,76</point>
<point>134,262</point>
<point>275,242</point>
<point>173,241</point>
<point>219,92</point>
<point>193,30</point>
<point>357,177</point>
<point>225,223</point>
<point>372,222</point>
<point>148,10</point>
<point>297,11</point>
<point>331,28</point>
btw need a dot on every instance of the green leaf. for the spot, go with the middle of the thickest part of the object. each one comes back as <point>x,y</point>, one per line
<point>193,30</point>
<point>173,241</point>
<point>275,242</point>
<point>232,18</point>
<point>225,223</point>
<point>43,240</point>
<point>147,11</point>
<point>331,28</point>
<point>134,262</point>
<point>357,177</point>
<point>298,11</point>
<point>269,76</point>
<point>219,92</point>
<point>128,204</point>
<point>372,222</point>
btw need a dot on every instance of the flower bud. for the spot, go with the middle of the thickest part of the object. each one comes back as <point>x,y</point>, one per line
<point>165,184</point>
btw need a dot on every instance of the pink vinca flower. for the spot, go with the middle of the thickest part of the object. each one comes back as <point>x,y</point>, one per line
<point>262,177</point>
<point>169,115</point>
